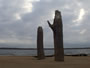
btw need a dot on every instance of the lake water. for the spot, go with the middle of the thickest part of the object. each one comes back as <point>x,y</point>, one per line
<point>4,52</point>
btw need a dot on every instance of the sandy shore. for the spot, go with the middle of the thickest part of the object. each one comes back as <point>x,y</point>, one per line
<point>31,62</point>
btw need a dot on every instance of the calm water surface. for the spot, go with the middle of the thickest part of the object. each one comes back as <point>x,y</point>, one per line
<point>4,52</point>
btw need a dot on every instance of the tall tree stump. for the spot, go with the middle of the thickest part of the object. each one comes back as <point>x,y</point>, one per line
<point>57,29</point>
<point>40,49</point>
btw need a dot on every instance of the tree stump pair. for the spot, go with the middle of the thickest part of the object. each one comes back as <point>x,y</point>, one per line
<point>57,29</point>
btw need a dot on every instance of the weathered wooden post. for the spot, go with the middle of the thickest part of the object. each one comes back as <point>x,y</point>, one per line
<point>57,29</point>
<point>40,49</point>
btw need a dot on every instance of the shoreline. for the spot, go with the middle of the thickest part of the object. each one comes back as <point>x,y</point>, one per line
<point>81,54</point>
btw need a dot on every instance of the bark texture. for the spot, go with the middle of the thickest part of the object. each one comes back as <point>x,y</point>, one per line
<point>57,29</point>
<point>40,49</point>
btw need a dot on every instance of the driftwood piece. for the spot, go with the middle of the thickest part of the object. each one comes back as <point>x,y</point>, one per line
<point>40,49</point>
<point>57,29</point>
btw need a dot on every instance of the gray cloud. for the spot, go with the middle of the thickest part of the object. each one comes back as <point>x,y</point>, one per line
<point>18,23</point>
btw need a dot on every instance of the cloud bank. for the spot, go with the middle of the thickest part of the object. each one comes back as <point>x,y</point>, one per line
<point>19,20</point>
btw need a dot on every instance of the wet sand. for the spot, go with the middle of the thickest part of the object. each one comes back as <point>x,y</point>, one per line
<point>32,62</point>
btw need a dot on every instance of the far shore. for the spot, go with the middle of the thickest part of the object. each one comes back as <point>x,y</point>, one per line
<point>44,48</point>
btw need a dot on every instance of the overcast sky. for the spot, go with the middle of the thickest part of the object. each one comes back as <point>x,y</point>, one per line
<point>19,20</point>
